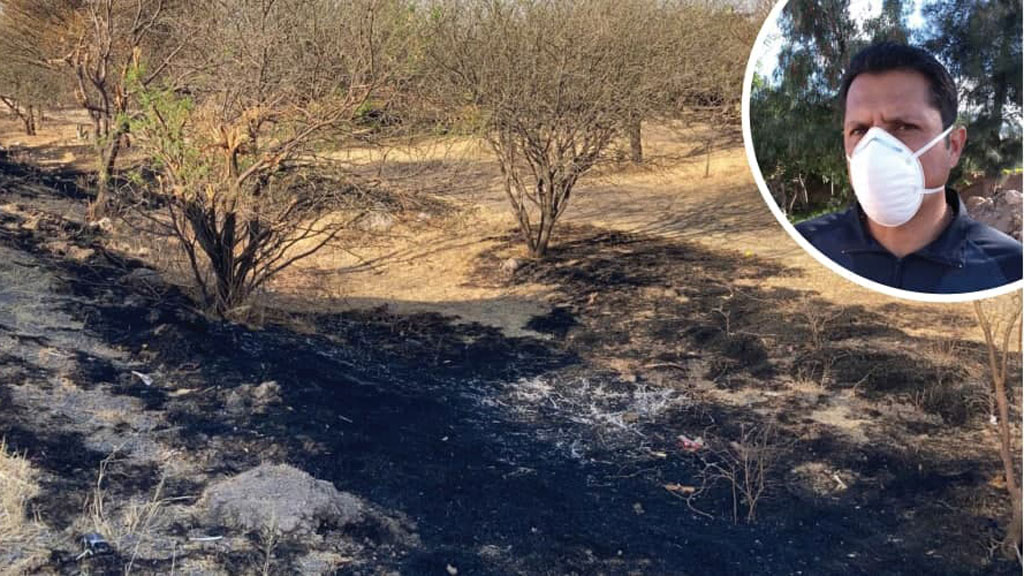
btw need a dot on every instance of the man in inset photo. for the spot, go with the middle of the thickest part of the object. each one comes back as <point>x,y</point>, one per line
<point>907,229</point>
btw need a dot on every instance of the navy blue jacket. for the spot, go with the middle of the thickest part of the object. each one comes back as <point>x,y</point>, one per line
<point>967,256</point>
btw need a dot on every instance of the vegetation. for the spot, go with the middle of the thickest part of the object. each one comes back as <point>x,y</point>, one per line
<point>558,82</point>
<point>552,85</point>
<point>1000,322</point>
<point>795,122</point>
<point>241,195</point>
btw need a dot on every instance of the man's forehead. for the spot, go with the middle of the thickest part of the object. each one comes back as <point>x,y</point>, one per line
<point>900,94</point>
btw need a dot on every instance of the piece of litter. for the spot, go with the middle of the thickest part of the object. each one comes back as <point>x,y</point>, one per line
<point>691,444</point>
<point>839,481</point>
<point>680,488</point>
<point>146,378</point>
<point>452,569</point>
<point>993,420</point>
<point>94,544</point>
<point>205,538</point>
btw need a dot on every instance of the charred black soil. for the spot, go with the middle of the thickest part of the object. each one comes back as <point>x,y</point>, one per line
<point>551,455</point>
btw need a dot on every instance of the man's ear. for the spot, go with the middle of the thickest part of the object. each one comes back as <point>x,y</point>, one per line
<point>956,141</point>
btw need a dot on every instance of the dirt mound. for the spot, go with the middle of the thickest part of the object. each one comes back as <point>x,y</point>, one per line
<point>282,499</point>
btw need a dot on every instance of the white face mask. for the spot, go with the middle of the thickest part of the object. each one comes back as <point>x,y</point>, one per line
<point>887,177</point>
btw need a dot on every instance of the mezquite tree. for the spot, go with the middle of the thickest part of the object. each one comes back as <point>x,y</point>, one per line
<point>699,54</point>
<point>231,150</point>
<point>97,43</point>
<point>27,89</point>
<point>707,78</point>
<point>554,81</point>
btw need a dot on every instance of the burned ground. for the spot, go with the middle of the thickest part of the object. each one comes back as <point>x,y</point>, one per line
<point>505,455</point>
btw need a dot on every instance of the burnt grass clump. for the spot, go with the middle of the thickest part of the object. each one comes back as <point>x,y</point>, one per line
<point>417,413</point>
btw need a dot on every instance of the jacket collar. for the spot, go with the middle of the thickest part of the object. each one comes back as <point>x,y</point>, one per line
<point>949,248</point>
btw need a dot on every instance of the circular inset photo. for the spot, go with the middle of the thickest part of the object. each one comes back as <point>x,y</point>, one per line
<point>886,138</point>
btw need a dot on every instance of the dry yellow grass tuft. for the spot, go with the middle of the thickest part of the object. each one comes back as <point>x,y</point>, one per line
<point>21,535</point>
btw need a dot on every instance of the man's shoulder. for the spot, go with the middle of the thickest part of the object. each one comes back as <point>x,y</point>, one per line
<point>832,232</point>
<point>996,247</point>
<point>991,240</point>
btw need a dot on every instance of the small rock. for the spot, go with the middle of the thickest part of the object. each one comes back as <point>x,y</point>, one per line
<point>377,222</point>
<point>79,254</point>
<point>267,392</point>
<point>103,224</point>
<point>143,276</point>
<point>509,266</point>
<point>249,399</point>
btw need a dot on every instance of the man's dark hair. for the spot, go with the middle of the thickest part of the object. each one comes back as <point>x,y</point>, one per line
<point>886,56</point>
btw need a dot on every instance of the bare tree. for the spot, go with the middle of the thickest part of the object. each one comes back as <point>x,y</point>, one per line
<point>29,71</point>
<point>698,72</point>
<point>232,155</point>
<point>26,90</point>
<point>999,320</point>
<point>555,81</point>
<point>98,42</point>
<point>703,79</point>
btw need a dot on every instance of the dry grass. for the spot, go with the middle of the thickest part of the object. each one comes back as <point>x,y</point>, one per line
<point>129,526</point>
<point>22,535</point>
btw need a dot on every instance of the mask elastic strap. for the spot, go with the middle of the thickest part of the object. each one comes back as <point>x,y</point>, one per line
<point>929,145</point>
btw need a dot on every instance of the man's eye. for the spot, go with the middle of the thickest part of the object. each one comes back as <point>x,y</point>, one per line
<point>856,131</point>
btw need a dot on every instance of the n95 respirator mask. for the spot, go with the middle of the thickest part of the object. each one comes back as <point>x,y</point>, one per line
<point>888,178</point>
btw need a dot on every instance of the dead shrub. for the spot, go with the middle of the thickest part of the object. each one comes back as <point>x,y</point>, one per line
<point>748,465</point>
<point>999,320</point>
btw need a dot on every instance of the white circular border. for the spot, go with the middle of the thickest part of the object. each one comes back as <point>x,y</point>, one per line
<point>755,170</point>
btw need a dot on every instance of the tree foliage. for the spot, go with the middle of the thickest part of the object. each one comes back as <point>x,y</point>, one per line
<point>795,122</point>
<point>980,42</point>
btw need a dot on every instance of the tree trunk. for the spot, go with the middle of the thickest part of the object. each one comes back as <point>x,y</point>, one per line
<point>228,293</point>
<point>108,157</point>
<point>26,117</point>
<point>707,156</point>
<point>636,146</point>
<point>1012,541</point>
<point>30,127</point>
<point>546,226</point>
<point>997,361</point>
